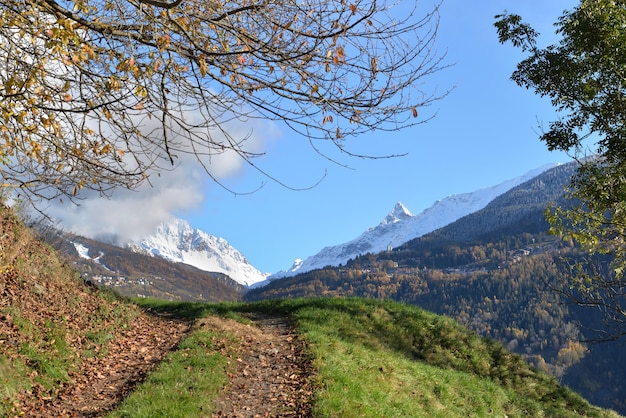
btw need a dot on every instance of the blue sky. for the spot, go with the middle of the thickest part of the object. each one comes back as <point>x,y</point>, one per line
<point>485,132</point>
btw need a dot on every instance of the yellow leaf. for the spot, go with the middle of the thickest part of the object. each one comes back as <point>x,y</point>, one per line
<point>204,69</point>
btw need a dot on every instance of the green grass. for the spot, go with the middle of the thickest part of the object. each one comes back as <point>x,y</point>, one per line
<point>13,382</point>
<point>184,384</point>
<point>357,382</point>
<point>375,359</point>
<point>44,355</point>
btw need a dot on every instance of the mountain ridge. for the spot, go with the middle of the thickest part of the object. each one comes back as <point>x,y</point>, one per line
<point>177,241</point>
<point>400,226</point>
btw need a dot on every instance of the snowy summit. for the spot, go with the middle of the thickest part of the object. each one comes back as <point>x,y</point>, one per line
<point>400,226</point>
<point>399,213</point>
<point>177,241</point>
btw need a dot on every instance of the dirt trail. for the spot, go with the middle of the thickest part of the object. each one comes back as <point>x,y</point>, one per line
<point>273,373</point>
<point>271,379</point>
<point>102,382</point>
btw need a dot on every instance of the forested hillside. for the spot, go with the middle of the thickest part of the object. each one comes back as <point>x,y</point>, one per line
<point>496,271</point>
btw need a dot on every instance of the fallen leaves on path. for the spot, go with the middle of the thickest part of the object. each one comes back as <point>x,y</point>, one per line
<point>273,374</point>
<point>102,382</point>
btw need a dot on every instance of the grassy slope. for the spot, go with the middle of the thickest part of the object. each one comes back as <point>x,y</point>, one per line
<point>52,326</point>
<point>387,359</point>
<point>372,358</point>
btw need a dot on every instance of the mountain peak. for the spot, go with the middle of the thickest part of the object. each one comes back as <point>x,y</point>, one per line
<point>400,226</point>
<point>176,240</point>
<point>397,214</point>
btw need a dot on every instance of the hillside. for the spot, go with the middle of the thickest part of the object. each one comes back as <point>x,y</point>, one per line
<point>139,275</point>
<point>68,349</point>
<point>494,271</point>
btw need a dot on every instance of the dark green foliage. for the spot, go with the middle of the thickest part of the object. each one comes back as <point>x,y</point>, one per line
<point>584,76</point>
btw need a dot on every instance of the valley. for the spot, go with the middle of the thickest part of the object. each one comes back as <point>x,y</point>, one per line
<point>495,270</point>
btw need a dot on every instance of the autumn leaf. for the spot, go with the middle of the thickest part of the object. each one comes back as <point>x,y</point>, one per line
<point>204,69</point>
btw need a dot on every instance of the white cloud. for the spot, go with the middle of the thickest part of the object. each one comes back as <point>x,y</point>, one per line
<point>133,214</point>
<point>129,215</point>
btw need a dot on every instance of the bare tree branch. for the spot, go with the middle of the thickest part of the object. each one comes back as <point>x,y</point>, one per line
<point>99,94</point>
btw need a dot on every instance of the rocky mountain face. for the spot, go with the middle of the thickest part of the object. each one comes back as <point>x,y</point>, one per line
<point>137,274</point>
<point>177,241</point>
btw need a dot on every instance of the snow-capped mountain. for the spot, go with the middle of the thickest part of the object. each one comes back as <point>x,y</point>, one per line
<point>177,241</point>
<point>401,226</point>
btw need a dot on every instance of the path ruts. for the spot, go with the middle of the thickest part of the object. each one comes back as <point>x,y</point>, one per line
<point>273,375</point>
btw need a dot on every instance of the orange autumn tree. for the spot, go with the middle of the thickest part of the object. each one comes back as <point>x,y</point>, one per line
<point>99,94</point>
